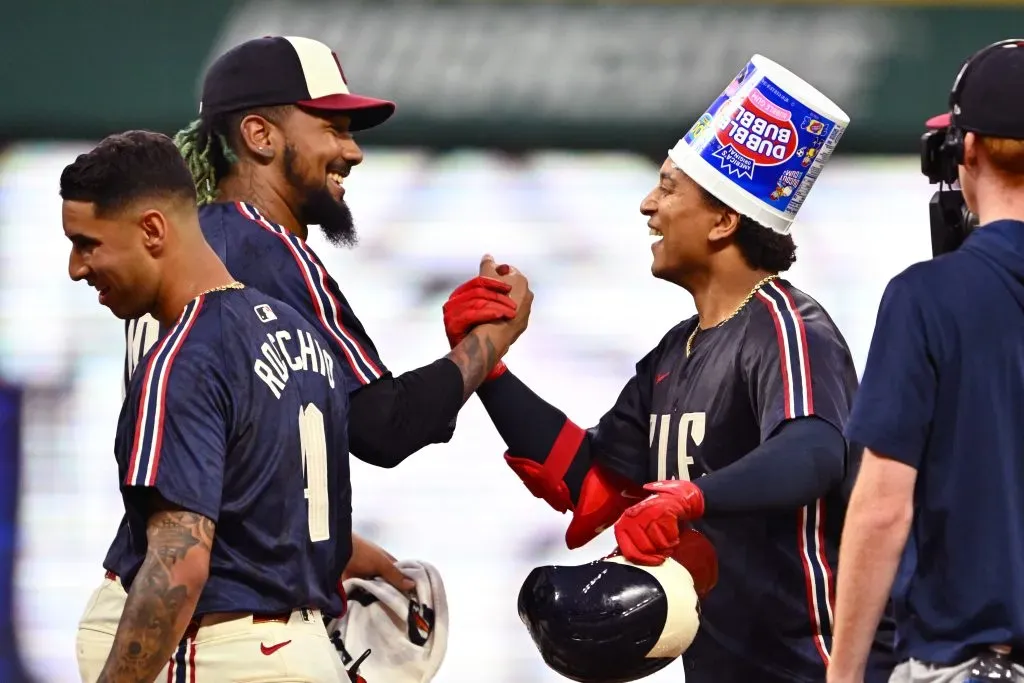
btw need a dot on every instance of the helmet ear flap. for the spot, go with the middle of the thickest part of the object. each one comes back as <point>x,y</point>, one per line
<point>610,621</point>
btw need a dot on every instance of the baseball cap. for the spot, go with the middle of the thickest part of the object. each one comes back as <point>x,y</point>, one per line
<point>278,70</point>
<point>991,97</point>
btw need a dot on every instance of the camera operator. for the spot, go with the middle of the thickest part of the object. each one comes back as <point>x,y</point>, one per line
<point>940,413</point>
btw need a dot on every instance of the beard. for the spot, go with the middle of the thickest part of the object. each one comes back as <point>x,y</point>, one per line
<point>319,207</point>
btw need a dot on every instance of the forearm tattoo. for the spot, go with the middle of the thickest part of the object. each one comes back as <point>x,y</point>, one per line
<point>161,600</point>
<point>476,356</point>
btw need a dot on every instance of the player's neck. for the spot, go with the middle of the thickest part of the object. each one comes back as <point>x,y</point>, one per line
<point>1000,203</point>
<point>246,186</point>
<point>719,295</point>
<point>198,270</point>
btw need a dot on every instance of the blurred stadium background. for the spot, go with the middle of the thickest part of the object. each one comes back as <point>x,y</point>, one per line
<point>528,129</point>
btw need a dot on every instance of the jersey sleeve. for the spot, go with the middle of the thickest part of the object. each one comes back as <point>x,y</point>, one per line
<point>182,415</point>
<point>892,413</point>
<point>621,439</point>
<point>799,367</point>
<point>283,266</point>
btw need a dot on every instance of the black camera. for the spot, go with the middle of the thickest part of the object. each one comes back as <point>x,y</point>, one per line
<point>951,221</point>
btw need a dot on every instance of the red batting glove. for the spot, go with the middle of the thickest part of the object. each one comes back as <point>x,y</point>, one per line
<point>648,532</point>
<point>475,302</point>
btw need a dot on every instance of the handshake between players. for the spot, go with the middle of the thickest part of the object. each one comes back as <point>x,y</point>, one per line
<point>494,307</point>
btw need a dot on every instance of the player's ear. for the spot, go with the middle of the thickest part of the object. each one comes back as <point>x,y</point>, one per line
<point>259,136</point>
<point>153,223</point>
<point>970,149</point>
<point>726,223</point>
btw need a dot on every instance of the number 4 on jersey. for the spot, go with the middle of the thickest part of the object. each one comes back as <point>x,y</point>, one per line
<point>314,465</point>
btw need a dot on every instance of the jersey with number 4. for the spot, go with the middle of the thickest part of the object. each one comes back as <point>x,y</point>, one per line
<point>780,358</point>
<point>262,254</point>
<point>232,414</point>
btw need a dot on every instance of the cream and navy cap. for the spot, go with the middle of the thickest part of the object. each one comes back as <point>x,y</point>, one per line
<point>280,70</point>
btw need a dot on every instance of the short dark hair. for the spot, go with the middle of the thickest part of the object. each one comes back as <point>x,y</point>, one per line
<point>211,145</point>
<point>125,167</point>
<point>762,248</point>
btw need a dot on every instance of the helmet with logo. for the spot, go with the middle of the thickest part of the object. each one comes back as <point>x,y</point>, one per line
<point>612,621</point>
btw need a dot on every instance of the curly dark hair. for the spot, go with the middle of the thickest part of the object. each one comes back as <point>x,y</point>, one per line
<point>762,248</point>
<point>125,167</point>
<point>210,146</point>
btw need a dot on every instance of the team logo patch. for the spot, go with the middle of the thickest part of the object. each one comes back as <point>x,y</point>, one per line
<point>265,313</point>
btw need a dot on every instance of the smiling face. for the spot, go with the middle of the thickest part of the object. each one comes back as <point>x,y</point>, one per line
<point>318,154</point>
<point>114,255</point>
<point>120,200</point>
<point>685,226</point>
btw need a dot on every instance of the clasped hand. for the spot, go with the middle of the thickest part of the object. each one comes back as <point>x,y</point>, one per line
<point>500,296</point>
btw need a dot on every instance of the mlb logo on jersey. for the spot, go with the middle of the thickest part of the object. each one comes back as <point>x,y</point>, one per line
<point>264,313</point>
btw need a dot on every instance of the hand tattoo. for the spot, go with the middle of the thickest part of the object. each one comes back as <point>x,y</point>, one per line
<point>162,596</point>
<point>475,356</point>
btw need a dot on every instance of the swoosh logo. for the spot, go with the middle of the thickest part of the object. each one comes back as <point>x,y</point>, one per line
<point>659,378</point>
<point>627,494</point>
<point>273,648</point>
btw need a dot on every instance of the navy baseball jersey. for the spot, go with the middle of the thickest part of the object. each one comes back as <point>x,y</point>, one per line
<point>942,392</point>
<point>780,358</point>
<point>234,414</point>
<point>264,255</point>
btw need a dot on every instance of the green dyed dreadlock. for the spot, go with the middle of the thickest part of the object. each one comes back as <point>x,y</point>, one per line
<point>205,144</point>
<point>208,156</point>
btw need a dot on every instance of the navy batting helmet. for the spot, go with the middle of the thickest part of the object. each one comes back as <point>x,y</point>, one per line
<point>612,621</point>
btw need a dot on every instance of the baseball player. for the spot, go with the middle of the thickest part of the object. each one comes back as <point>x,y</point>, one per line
<point>935,516</point>
<point>269,155</point>
<point>230,446</point>
<point>732,424</point>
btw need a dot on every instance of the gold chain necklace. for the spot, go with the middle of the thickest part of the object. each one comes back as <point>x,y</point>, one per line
<point>234,284</point>
<point>759,285</point>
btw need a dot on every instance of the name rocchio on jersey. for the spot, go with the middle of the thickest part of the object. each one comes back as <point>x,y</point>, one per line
<point>285,352</point>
